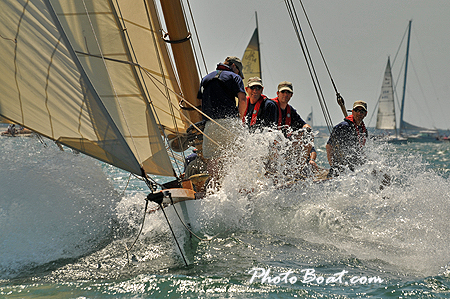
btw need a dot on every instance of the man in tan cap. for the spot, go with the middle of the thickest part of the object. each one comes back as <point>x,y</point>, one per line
<point>347,140</point>
<point>254,115</point>
<point>284,117</point>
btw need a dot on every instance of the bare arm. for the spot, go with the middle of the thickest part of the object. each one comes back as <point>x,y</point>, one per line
<point>329,154</point>
<point>242,103</point>
<point>312,158</point>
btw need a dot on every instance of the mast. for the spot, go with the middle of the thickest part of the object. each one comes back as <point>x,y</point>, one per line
<point>404,81</point>
<point>257,39</point>
<point>182,53</point>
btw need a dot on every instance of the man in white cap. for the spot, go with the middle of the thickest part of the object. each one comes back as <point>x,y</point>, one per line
<point>347,140</point>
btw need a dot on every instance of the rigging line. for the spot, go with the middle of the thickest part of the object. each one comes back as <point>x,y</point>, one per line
<point>308,59</point>
<point>184,224</point>
<point>399,47</point>
<point>321,54</point>
<point>197,36</point>
<point>127,250</point>
<point>160,64</point>
<point>146,179</point>
<point>173,233</point>
<point>16,67</point>
<point>424,97</point>
<point>126,186</point>
<point>321,97</point>
<point>190,231</point>
<point>109,76</point>
<point>297,28</point>
<point>318,88</point>
<point>11,39</point>
<point>153,78</point>
<point>167,89</point>
<point>428,72</point>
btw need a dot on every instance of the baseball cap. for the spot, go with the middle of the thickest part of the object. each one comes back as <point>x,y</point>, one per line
<point>361,104</point>
<point>254,81</point>
<point>237,62</point>
<point>285,85</point>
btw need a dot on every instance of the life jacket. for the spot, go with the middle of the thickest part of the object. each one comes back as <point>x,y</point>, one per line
<point>361,139</point>
<point>280,117</point>
<point>256,110</point>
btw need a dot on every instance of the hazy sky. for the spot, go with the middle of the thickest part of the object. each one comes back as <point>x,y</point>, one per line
<point>356,37</point>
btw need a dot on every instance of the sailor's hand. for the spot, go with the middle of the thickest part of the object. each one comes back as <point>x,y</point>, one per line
<point>313,164</point>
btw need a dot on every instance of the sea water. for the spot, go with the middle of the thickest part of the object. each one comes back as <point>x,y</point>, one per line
<point>70,227</point>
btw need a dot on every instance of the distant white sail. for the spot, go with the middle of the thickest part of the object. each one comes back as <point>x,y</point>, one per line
<point>386,106</point>
<point>309,118</point>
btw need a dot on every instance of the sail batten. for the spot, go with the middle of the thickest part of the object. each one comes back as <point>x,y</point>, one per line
<point>74,76</point>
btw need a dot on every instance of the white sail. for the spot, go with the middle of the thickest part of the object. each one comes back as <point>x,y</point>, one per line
<point>91,75</point>
<point>386,106</point>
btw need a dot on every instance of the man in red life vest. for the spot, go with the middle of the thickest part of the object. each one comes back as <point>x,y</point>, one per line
<point>255,115</point>
<point>346,143</point>
<point>286,117</point>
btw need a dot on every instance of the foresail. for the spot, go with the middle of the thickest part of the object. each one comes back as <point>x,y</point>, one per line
<point>386,105</point>
<point>251,59</point>
<point>69,72</point>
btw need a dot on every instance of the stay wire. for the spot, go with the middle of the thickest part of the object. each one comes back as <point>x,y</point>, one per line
<point>173,233</point>
<point>314,75</point>
<point>187,228</point>
<point>198,40</point>
<point>302,41</point>
<point>323,59</point>
<point>127,250</point>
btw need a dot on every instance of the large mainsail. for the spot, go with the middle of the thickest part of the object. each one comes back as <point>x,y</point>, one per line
<point>94,75</point>
<point>386,105</point>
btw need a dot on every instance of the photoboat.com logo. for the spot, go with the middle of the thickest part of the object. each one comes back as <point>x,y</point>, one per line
<point>310,276</point>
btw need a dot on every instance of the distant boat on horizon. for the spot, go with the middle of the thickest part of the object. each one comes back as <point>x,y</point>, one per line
<point>386,116</point>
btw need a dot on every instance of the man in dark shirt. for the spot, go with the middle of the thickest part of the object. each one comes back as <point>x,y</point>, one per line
<point>255,115</point>
<point>217,92</point>
<point>285,117</point>
<point>290,161</point>
<point>283,114</point>
<point>346,143</point>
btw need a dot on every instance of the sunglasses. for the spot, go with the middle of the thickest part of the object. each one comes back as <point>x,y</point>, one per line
<point>256,88</point>
<point>359,110</point>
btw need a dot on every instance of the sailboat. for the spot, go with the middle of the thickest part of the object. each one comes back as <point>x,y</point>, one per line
<point>386,118</point>
<point>97,77</point>
<point>101,78</point>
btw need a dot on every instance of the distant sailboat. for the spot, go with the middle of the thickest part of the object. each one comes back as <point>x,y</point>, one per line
<point>251,61</point>
<point>309,118</point>
<point>386,119</point>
